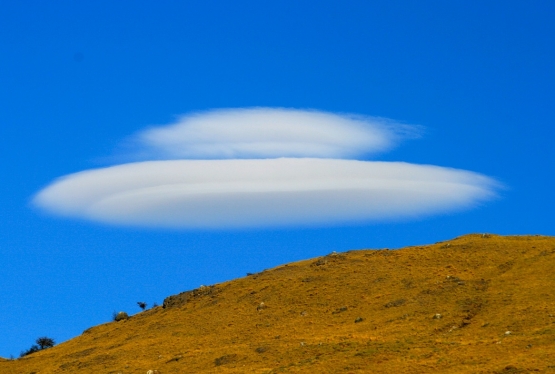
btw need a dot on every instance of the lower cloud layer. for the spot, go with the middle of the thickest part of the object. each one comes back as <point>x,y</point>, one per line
<point>259,193</point>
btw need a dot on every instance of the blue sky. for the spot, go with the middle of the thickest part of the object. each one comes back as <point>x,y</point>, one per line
<point>77,79</point>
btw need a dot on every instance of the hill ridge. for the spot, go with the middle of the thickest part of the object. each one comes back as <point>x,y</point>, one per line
<point>476,303</point>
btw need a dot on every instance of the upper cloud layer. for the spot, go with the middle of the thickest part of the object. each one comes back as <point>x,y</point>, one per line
<point>269,133</point>
<point>258,193</point>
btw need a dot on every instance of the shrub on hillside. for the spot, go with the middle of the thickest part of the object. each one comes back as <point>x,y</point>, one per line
<point>119,316</point>
<point>142,305</point>
<point>43,342</point>
<point>34,348</point>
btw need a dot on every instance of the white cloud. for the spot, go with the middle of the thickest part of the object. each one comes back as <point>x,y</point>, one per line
<point>269,133</point>
<point>261,167</point>
<point>271,192</point>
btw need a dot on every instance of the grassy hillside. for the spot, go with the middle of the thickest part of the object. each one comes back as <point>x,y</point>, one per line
<point>475,304</point>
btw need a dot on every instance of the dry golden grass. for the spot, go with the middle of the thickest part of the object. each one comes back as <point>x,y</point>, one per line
<point>495,296</point>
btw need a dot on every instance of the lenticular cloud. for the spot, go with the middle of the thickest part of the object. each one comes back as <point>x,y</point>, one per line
<point>244,193</point>
<point>270,133</point>
<point>261,168</point>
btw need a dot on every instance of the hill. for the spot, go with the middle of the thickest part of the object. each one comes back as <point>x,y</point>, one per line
<point>475,304</point>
